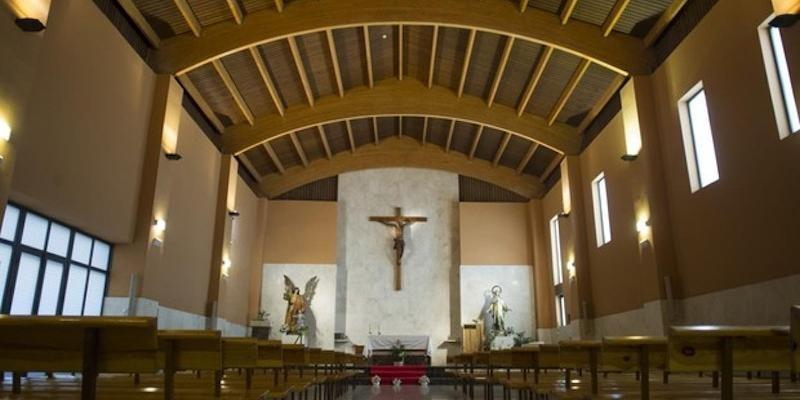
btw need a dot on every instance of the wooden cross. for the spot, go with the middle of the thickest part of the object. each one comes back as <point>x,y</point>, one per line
<point>398,223</point>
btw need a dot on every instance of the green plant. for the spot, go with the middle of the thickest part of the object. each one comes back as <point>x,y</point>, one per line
<point>398,351</point>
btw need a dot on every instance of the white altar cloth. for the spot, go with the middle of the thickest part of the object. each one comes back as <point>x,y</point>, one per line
<point>386,342</point>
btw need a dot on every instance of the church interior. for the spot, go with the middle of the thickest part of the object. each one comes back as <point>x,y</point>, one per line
<point>399,199</point>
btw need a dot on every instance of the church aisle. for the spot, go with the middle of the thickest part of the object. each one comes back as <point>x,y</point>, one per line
<point>409,392</point>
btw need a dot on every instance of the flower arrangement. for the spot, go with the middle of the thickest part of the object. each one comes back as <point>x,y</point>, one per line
<point>399,352</point>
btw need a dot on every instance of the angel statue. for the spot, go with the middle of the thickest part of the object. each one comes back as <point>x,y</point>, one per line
<point>498,310</point>
<point>297,304</point>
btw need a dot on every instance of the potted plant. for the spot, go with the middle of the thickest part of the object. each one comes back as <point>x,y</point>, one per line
<point>398,354</point>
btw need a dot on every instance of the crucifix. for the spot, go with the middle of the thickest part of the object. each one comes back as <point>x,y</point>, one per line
<point>398,223</point>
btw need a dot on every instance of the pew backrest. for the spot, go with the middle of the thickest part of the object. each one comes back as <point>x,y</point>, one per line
<point>575,354</point>
<point>191,349</point>
<point>753,348</point>
<point>795,328</point>
<point>622,353</point>
<point>270,354</point>
<point>239,352</point>
<point>295,355</point>
<point>33,343</point>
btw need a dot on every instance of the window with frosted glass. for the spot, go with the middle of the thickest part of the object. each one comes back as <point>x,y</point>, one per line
<point>49,268</point>
<point>698,139</point>
<point>602,218</point>
<point>779,76</point>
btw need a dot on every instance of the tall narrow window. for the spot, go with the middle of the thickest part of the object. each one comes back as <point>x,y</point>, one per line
<point>698,140</point>
<point>47,268</point>
<point>555,251</point>
<point>602,220</point>
<point>780,80</point>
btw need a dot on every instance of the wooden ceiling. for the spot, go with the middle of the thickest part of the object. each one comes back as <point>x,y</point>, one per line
<point>496,90</point>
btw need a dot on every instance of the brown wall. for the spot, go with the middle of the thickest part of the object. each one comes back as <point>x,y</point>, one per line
<point>76,161</point>
<point>176,274</point>
<point>495,234</point>
<point>743,228</point>
<point>300,232</point>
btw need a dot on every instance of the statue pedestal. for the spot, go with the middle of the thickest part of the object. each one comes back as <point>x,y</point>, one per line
<point>292,339</point>
<point>502,342</point>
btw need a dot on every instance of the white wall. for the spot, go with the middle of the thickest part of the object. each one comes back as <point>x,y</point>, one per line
<point>319,316</point>
<point>516,281</point>
<point>428,302</point>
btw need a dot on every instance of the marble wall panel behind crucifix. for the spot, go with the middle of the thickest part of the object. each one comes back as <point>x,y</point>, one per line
<point>428,303</point>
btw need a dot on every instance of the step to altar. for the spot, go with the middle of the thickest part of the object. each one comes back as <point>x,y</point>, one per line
<point>408,374</point>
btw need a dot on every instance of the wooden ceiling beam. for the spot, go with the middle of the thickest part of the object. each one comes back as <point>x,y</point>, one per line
<point>475,141</point>
<point>625,54</point>
<point>299,148</point>
<point>400,52</point>
<point>368,55</point>
<point>432,64</point>
<point>408,98</point>
<point>301,69</point>
<point>612,89</point>
<point>567,9</point>
<point>236,11</point>
<point>324,139</point>
<point>279,5</point>
<point>401,152</point>
<point>527,158</point>
<point>450,136</point>
<point>189,16</point>
<point>614,16</point>
<point>536,76</point>
<point>501,69</point>
<point>274,157</point>
<point>337,73</point>
<point>552,167</point>
<point>567,93</point>
<point>663,21</point>
<point>523,5</point>
<point>467,59</point>
<point>425,131</point>
<point>264,73</point>
<point>375,130</point>
<point>141,22</point>
<point>501,149</point>
<point>234,91</point>
<point>190,88</point>
<point>350,137</point>
<point>249,167</point>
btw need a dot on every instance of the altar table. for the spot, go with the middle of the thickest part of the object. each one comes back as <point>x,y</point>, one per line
<point>386,342</point>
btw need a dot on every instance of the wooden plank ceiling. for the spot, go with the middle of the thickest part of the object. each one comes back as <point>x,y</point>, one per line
<point>306,70</point>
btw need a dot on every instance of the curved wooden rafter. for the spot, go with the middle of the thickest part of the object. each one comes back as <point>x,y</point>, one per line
<point>400,152</point>
<point>402,98</point>
<point>624,54</point>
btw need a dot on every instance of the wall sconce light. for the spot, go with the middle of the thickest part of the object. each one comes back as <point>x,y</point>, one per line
<point>173,156</point>
<point>563,215</point>
<point>642,225</point>
<point>226,267</point>
<point>233,213</point>
<point>5,130</point>
<point>159,226</point>
<point>787,13</point>
<point>629,157</point>
<point>571,270</point>
<point>29,24</point>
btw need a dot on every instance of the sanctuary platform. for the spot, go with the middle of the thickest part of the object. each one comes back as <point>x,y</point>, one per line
<point>408,374</point>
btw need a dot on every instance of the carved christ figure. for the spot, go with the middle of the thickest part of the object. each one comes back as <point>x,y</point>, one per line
<point>398,223</point>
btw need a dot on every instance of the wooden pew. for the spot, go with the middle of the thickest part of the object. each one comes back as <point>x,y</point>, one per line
<point>182,350</point>
<point>270,356</point>
<point>296,357</point>
<point>635,353</point>
<point>795,328</point>
<point>240,353</point>
<point>579,355</point>
<point>89,345</point>
<point>728,349</point>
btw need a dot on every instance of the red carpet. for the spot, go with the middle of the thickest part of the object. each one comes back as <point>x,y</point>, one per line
<point>408,374</point>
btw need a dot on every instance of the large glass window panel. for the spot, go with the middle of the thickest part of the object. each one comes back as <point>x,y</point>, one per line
<point>51,288</point>
<point>100,255</point>
<point>76,286</point>
<point>81,248</point>
<point>785,80</point>
<point>5,261</point>
<point>25,285</point>
<point>602,218</point>
<point>705,154</point>
<point>35,231</point>
<point>58,242</point>
<point>94,293</point>
<point>10,221</point>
